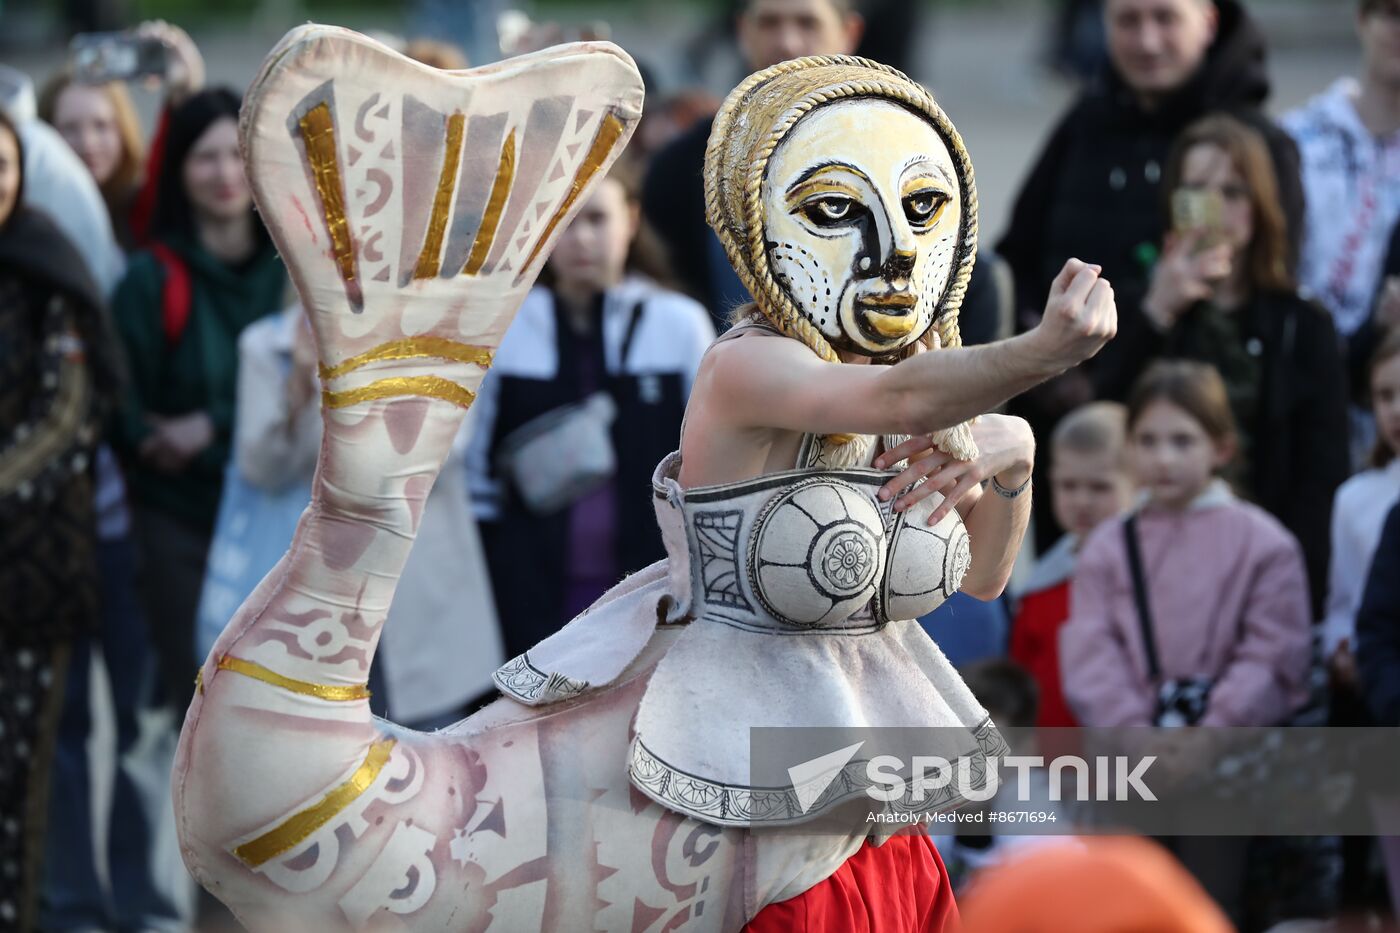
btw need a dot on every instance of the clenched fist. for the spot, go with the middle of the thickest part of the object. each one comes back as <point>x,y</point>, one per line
<point>1080,316</point>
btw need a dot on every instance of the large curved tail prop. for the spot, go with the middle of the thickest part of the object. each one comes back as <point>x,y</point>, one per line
<point>414,209</point>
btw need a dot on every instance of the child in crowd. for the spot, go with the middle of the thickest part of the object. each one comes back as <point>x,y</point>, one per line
<point>1358,513</point>
<point>1194,610</point>
<point>1225,638</point>
<point>1089,484</point>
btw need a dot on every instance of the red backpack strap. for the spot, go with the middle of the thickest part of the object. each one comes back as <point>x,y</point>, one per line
<point>175,297</point>
<point>143,206</point>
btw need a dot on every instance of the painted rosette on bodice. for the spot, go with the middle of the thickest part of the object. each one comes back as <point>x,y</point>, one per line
<point>816,554</point>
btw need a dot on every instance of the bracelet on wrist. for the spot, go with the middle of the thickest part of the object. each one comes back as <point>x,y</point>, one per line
<point>1010,493</point>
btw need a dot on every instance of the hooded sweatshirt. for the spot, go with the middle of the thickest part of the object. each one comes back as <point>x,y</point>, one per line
<point>1344,164</point>
<point>1095,191</point>
<point>199,372</point>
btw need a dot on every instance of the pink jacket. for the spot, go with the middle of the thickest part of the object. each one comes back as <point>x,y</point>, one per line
<point>1229,600</point>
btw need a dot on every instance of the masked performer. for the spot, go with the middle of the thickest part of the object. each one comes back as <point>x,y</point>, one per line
<point>612,787</point>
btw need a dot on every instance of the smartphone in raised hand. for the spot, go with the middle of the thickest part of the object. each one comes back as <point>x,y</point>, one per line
<point>98,57</point>
<point>1198,212</point>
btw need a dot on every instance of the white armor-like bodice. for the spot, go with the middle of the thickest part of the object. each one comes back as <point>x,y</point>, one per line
<point>797,594</point>
<point>801,552</point>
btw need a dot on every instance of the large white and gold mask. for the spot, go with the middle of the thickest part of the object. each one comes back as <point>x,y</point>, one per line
<point>845,200</point>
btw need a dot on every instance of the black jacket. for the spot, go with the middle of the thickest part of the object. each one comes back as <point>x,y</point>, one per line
<point>1095,191</point>
<point>1298,441</point>
<point>1378,628</point>
<point>673,201</point>
<point>58,372</point>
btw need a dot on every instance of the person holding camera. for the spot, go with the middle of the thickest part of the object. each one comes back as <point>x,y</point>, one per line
<point>89,105</point>
<point>1222,293</point>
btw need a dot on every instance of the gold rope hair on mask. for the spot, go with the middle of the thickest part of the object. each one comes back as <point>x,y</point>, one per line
<point>756,117</point>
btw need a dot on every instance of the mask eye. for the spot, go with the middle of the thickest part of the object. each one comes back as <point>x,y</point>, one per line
<point>923,207</point>
<point>830,210</point>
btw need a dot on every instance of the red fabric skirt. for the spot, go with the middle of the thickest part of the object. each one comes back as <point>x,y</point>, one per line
<point>899,887</point>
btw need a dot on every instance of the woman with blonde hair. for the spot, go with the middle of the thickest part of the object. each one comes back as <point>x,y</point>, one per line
<point>99,122</point>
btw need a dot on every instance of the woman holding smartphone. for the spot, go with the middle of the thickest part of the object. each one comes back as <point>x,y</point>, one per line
<point>90,106</point>
<point>1222,294</point>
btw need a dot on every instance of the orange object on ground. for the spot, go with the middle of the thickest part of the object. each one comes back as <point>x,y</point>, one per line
<point>1117,884</point>
<point>898,887</point>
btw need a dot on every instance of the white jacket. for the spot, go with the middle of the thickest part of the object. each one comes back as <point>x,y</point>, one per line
<point>1351,180</point>
<point>1358,514</point>
<point>671,337</point>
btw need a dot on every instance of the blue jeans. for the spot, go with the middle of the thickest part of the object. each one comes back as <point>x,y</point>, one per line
<point>148,882</point>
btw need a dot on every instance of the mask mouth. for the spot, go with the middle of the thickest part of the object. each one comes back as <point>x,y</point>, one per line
<point>885,317</point>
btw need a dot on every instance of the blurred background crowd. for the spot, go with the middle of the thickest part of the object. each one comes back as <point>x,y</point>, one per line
<point>1215,541</point>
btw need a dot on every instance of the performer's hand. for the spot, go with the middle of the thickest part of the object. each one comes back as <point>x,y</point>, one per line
<point>1080,316</point>
<point>1007,451</point>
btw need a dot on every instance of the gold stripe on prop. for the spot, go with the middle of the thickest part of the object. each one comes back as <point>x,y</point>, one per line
<point>318,133</point>
<point>430,259</point>
<point>495,206</point>
<point>256,671</point>
<point>411,348</point>
<point>607,135</point>
<point>411,386</point>
<point>293,831</point>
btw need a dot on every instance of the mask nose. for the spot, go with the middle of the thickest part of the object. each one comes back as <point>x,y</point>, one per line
<point>899,265</point>
<point>888,250</point>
